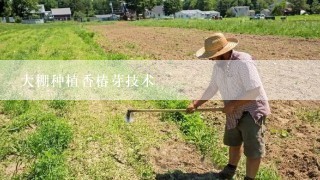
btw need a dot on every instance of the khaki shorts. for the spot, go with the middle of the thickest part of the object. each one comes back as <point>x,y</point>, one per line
<point>250,134</point>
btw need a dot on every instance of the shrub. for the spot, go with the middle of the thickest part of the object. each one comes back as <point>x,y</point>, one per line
<point>55,134</point>
<point>58,104</point>
<point>15,107</point>
<point>18,19</point>
<point>48,166</point>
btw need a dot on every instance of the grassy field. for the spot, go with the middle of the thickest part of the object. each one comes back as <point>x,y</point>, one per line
<point>294,26</point>
<point>50,41</point>
<point>87,139</point>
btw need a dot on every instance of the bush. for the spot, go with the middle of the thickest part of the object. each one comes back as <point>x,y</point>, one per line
<point>58,104</point>
<point>278,10</point>
<point>78,16</point>
<point>48,166</point>
<point>15,107</point>
<point>18,19</point>
<point>229,13</point>
<point>55,135</point>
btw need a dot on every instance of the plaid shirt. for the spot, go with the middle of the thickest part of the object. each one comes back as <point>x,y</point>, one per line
<point>233,78</point>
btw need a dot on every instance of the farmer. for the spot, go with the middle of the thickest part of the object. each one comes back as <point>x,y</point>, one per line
<point>245,102</point>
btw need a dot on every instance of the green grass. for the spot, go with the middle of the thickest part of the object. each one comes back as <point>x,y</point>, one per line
<point>309,115</point>
<point>294,26</point>
<point>87,139</point>
<point>66,41</point>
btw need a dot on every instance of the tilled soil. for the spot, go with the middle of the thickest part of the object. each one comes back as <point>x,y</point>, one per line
<point>292,144</point>
<point>175,43</point>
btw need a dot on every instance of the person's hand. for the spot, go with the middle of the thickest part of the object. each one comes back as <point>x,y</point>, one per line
<point>191,108</point>
<point>228,108</point>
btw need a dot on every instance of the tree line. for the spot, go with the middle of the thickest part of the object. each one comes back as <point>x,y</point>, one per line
<point>90,8</point>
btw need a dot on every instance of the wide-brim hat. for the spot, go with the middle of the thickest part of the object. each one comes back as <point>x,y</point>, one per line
<point>216,45</point>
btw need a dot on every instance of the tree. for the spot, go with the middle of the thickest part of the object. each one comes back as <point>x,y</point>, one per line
<point>101,6</point>
<point>2,6</point>
<point>140,5</point>
<point>224,5</point>
<point>171,6</point>
<point>48,4</point>
<point>315,8</point>
<point>299,5</point>
<point>23,8</point>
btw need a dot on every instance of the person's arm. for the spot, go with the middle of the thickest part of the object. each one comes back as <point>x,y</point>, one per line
<point>208,94</point>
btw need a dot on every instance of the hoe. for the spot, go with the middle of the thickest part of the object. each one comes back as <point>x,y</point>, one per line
<point>129,116</point>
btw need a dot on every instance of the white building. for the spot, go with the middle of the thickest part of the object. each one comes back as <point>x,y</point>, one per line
<point>210,14</point>
<point>240,11</point>
<point>189,14</point>
<point>157,12</point>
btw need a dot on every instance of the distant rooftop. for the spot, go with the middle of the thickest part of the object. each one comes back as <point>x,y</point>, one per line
<point>61,11</point>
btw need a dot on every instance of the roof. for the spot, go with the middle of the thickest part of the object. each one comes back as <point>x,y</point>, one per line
<point>40,9</point>
<point>240,7</point>
<point>266,10</point>
<point>61,11</point>
<point>104,16</point>
<point>157,9</point>
<point>210,11</point>
<point>190,11</point>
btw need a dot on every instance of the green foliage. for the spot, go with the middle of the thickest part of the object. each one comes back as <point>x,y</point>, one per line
<point>171,6</point>
<point>48,4</point>
<point>315,8</point>
<point>195,130</point>
<point>140,5</point>
<point>229,13</point>
<point>309,115</point>
<point>295,26</point>
<point>52,135</point>
<point>18,19</point>
<point>15,107</point>
<point>49,166</point>
<point>78,15</point>
<point>23,8</point>
<point>299,5</point>
<point>47,41</point>
<point>278,10</point>
<point>58,104</point>
<point>29,118</point>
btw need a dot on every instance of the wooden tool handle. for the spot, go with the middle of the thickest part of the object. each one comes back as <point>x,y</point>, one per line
<point>174,110</point>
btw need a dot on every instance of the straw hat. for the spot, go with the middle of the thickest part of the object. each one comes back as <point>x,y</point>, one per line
<point>216,45</point>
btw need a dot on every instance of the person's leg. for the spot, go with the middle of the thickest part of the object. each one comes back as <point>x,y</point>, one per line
<point>253,143</point>
<point>234,155</point>
<point>252,167</point>
<point>233,139</point>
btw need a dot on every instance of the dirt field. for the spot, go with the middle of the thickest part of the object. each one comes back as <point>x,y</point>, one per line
<point>175,43</point>
<point>293,144</point>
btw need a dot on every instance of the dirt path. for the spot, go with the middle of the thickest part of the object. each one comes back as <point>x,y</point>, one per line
<point>175,43</point>
<point>297,154</point>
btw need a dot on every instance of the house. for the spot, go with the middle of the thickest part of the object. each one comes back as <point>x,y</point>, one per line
<point>157,12</point>
<point>240,11</point>
<point>3,19</point>
<point>210,14</point>
<point>189,14</point>
<point>266,12</point>
<point>252,12</point>
<point>41,11</point>
<point>107,17</point>
<point>61,14</point>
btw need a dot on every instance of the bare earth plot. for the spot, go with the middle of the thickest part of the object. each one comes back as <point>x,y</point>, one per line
<point>175,43</point>
<point>293,143</point>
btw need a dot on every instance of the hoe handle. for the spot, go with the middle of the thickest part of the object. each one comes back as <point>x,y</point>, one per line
<point>174,110</point>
